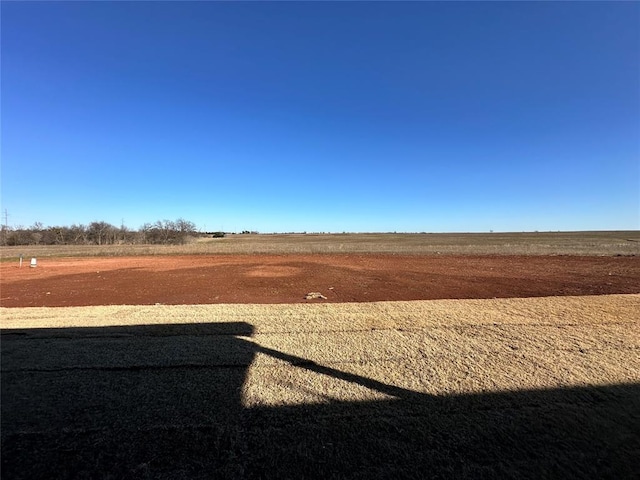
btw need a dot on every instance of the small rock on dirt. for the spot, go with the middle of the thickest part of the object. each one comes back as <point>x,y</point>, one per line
<point>312,295</point>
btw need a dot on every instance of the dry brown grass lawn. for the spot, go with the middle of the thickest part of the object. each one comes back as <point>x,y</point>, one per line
<point>432,347</point>
<point>462,388</point>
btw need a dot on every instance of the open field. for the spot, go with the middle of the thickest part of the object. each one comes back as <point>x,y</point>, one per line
<point>543,243</point>
<point>214,365</point>
<point>206,279</point>
<point>526,388</point>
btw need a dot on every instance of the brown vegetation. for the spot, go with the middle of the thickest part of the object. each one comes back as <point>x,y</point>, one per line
<point>164,232</point>
<point>544,243</point>
<point>527,388</point>
<point>544,387</point>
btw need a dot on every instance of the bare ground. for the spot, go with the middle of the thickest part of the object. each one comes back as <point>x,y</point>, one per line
<point>210,279</point>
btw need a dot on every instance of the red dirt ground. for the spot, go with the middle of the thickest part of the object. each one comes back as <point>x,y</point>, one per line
<point>288,278</point>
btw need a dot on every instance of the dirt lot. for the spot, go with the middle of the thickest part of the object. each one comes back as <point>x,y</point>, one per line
<point>288,278</point>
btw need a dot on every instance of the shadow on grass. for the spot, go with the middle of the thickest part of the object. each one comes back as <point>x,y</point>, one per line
<point>165,401</point>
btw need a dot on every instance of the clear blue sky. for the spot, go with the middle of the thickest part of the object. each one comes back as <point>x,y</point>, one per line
<point>322,116</point>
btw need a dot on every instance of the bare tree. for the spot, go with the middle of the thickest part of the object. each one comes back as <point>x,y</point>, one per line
<point>100,233</point>
<point>184,229</point>
<point>78,234</point>
<point>145,233</point>
<point>168,229</point>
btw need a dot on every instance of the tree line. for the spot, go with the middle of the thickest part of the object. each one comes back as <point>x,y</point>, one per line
<point>163,232</point>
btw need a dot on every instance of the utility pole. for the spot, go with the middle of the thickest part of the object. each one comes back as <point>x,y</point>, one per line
<point>5,230</point>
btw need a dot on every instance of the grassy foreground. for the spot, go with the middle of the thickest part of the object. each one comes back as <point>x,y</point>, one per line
<point>526,388</point>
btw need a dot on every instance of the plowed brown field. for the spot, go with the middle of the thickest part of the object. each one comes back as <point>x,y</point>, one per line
<point>287,278</point>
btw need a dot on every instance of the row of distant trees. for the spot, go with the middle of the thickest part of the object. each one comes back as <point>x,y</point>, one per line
<point>165,232</point>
